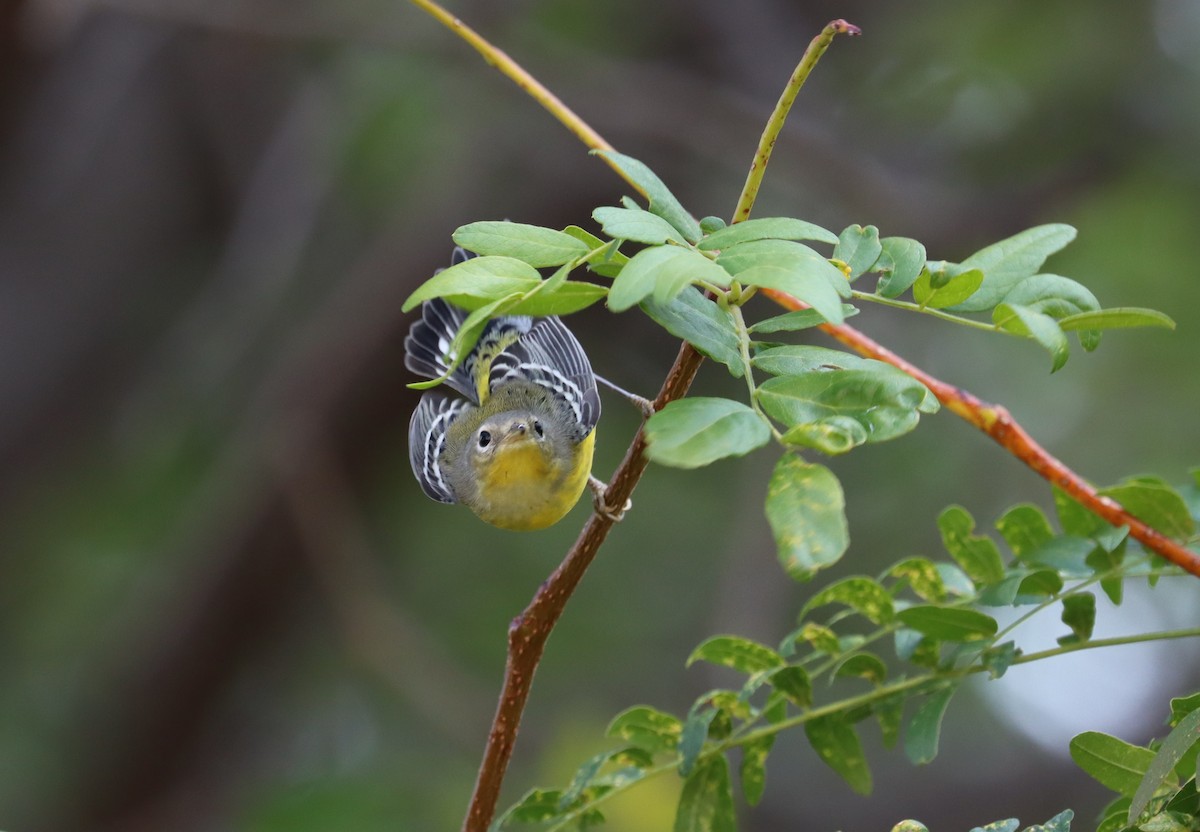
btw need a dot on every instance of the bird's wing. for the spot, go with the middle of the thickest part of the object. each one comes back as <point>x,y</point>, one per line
<point>427,438</point>
<point>549,355</point>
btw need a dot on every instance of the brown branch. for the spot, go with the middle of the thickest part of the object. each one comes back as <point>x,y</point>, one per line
<point>529,631</point>
<point>998,423</point>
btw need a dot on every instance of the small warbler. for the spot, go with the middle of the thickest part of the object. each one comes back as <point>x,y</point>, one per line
<point>516,447</point>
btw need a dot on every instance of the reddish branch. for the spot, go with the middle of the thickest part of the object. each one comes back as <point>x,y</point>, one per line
<point>999,424</point>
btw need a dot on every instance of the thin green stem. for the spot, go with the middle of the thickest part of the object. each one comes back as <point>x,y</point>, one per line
<point>1116,641</point>
<point>903,685</point>
<point>743,336</point>
<point>927,310</point>
<point>766,143</point>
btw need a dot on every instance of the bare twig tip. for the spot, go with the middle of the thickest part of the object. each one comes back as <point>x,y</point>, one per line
<point>844,28</point>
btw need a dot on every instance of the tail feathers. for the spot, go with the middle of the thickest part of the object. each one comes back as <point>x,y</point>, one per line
<point>427,346</point>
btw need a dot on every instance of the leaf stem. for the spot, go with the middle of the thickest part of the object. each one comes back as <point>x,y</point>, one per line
<point>743,335</point>
<point>766,143</point>
<point>928,310</point>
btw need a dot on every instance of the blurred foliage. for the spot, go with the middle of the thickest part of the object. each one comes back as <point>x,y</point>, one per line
<point>209,218</point>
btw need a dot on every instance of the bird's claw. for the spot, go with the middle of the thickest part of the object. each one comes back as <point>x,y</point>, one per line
<point>600,501</point>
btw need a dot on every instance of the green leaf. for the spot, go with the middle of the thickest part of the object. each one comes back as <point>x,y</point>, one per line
<point>706,803</point>
<point>1053,295</point>
<point>661,271</point>
<point>1024,528</point>
<point>978,556</point>
<point>569,297</point>
<point>863,665</point>
<point>1181,706</point>
<point>836,743</point>
<point>789,267</point>
<point>711,225</point>
<point>695,732</point>
<point>604,259</point>
<point>1041,328</point>
<point>832,434</point>
<point>949,623</point>
<point>753,770</point>
<point>1065,553</point>
<point>766,228</point>
<point>910,826</point>
<point>1059,823</point>
<point>949,285</point>
<point>883,400</point>
<point>583,778</point>
<point>925,728</point>
<point>662,201</point>
<point>1002,593</point>
<point>1009,825</point>
<point>955,580</point>
<point>637,225</point>
<point>807,514</point>
<point>1161,770</point>
<point>1118,317</point>
<point>905,262</point>
<point>536,805</point>
<point>819,637</point>
<point>695,431</point>
<point>1185,800</point>
<point>701,322</point>
<point>1039,584</point>
<point>889,711</point>
<point>998,659</point>
<point>1077,520</point>
<point>1079,613</point>
<point>858,248</point>
<point>798,320</point>
<point>476,282</point>
<point>1008,262</point>
<point>531,244</point>
<point>793,682</point>
<point>922,575</point>
<point>647,728</point>
<point>738,653</point>
<point>863,594</point>
<point>1114,762</point>
<point>800,359</point>
<point>1156,503</point>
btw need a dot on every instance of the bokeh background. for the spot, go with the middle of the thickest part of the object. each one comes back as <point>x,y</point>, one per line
<point>224,602</point>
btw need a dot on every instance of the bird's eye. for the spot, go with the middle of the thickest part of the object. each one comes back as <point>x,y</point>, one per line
<point>485,438</point>
<point>537,428</point>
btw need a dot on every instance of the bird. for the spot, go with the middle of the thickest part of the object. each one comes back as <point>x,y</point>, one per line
<point>514,440</point>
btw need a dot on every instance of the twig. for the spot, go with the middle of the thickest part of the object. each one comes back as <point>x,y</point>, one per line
<point>758,167</point>
<point>528,632</point>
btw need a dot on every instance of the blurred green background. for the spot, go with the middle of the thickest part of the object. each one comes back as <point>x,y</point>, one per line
<point>224,602</point>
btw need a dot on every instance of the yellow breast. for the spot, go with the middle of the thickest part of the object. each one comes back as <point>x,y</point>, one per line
<point>524,489</point>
